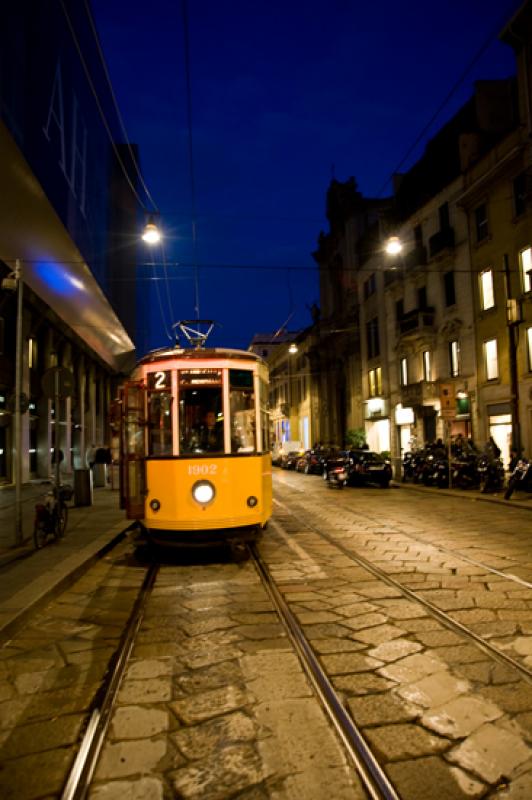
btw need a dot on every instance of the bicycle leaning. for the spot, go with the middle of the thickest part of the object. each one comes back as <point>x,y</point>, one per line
<point>51,516</point>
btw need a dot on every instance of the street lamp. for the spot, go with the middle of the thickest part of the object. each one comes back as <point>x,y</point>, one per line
<point>393,246</point>
<point>152,234</point>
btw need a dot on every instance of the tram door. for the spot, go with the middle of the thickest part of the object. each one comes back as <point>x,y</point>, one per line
<point>133,450</point>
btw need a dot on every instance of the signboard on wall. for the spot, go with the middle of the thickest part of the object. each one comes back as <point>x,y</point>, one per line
<point>447,401</point>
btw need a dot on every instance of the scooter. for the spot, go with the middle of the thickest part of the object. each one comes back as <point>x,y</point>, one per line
<point>335,473</point>
<point>490,473</point>
<point>521,478</point>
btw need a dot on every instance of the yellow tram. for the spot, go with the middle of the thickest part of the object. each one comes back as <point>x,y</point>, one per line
<point>194,439</point>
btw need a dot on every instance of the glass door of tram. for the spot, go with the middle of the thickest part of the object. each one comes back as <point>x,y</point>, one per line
<point>133,450</point>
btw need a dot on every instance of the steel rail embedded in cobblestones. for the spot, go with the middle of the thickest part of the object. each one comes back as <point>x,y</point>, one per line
<point>80,777</point>
<point>442,616</point>
<point>372,775</point>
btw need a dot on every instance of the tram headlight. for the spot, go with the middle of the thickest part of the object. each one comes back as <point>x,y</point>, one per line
<point>155,505</point>
<point>203,492</point>
<point>252,501</point>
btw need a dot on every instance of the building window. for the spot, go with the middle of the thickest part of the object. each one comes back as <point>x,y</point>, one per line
<point>443,215</point>
<point>448,284</point>
<point>375,382</point>
<point>481,222</point>
<point>427,365</point>
<point>372,336</point>
<point>399,310</point>
<point>422,297</point>
<point>418,236</point>
<point>525,268</point>
<point>32,353</point>
<point>487,299</point>
<point>403,371</point>
<point>370,286</point>
<point>491,360</point>
<point>529,347</point>
<point>454,358</point>
<point>519,192</point>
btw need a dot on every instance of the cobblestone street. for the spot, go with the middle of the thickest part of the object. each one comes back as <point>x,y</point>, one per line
<point>215,702</point>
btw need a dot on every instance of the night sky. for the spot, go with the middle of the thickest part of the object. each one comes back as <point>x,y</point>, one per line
<point>284,95</point>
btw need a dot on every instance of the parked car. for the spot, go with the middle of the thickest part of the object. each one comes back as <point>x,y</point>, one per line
<point>312,462</point>
<point>365,466</point>
<point>289,460</point>
<point>336,470</point>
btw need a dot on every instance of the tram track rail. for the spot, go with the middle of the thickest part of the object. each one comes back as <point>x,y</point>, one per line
<point>442,616</point>
<point>371,773</point>
<point>80,776</point>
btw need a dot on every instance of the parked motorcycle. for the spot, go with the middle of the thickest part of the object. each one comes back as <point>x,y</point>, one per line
<point>520,479</point>
<point>335,472</point>
<point>464,471</point>
<point>490,474</point>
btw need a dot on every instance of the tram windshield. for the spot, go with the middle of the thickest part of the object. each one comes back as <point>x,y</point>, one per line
<point>242,410</point>
<point>201,419</point>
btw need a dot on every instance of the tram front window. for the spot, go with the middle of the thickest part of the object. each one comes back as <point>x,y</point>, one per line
<point>201,420</point>
<point>160,424</point>
<point>242,403</point>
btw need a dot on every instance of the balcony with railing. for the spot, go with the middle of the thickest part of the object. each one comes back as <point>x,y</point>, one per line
<point>443,240</point>
<point>417,321</point>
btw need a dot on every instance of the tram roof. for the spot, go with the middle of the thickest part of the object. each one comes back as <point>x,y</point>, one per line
<point>195,354</point>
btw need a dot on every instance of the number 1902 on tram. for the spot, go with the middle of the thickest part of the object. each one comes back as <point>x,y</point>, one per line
<point>194,440</point>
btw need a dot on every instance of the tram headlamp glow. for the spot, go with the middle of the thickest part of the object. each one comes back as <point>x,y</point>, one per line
<point>203,492</point>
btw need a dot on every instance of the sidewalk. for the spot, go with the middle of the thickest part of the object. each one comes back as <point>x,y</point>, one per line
<point>29,577</point>
<point>518,499</point>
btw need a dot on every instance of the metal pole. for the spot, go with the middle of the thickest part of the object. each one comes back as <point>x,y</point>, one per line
<point>512,348</point>
<point>18,410</point>
<point>57,431</point>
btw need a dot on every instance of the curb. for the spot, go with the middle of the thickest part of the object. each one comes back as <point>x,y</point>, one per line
<point>465,494</point>
<point>40,598</point>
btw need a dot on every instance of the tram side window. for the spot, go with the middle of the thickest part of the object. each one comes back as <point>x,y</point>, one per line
<point>242,409</point>
<point>159,424</point>
<point>264,416</point>
<point>201,420</point>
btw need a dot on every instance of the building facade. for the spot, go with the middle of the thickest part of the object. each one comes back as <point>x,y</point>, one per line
<point>68,222</point>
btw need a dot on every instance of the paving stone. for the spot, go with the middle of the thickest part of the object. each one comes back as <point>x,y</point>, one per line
<point>210,623</point>
<point>258,632</point>
<point>519,789</point>
<point>380,709</point>
<point>392,651</point>
<point>122,759</point>
<point>380,634</point>
<point>361,684</point>
<point>214,655</point>
<point>337,646</point>
<point>139,789</point>
<point>399,742</point>
<point>346,663</point>
<point>417,779</point>
<point>402,609</point>
<point>507,698</point>
<point>40,736</point>
<point>364,621</point>
<point>234,769</point>
<point>209,704</point>
<point>201,741</point>
<point>153,690</point>
<point>412,668</point>
<point>137,722</point>
<point>461,717</point>
<point>149,668</point>
<point>491,753</point>
<point>435,689</point>
<point>36,775</point>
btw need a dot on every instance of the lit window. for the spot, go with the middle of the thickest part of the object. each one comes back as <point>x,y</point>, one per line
<point>375,382</point>
<point>32,353</point>
<point>454,357</point>
<point>529,347</point>
<point>490,359</point>
<point>403,371</point>
<point>525,261</point>
<point>427,366</point>
<point>487,298</point>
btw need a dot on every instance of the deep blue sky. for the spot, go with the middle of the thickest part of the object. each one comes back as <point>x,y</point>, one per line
<point>283,94</point>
